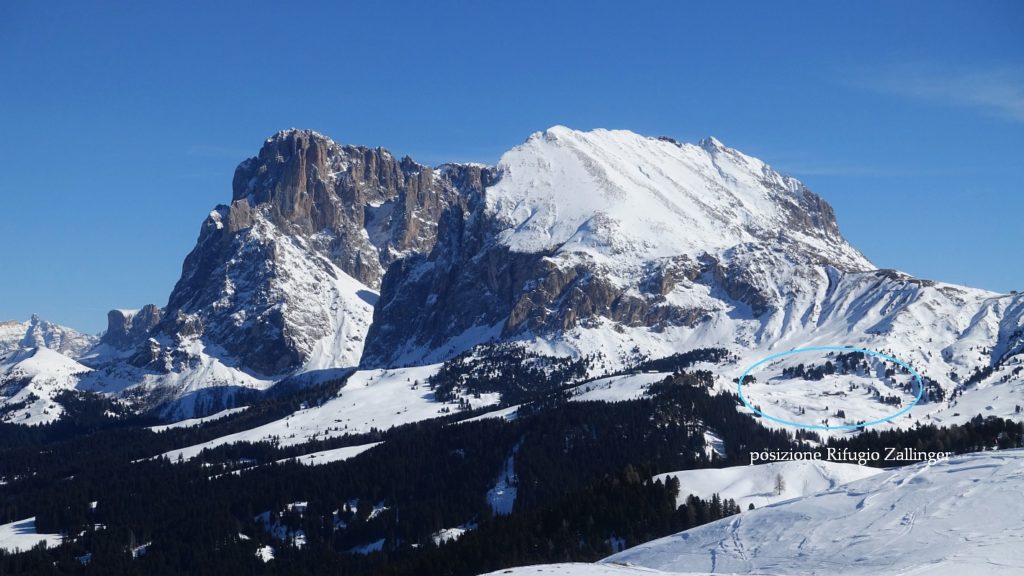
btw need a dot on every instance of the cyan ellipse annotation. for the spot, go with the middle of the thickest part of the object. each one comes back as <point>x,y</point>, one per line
<point>748,371</point>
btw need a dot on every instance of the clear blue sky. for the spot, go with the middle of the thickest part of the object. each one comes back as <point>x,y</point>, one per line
<point>123,122</point>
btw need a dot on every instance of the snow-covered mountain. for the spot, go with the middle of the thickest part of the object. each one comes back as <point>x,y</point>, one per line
<point>608,242</point>
<point>283,280</point>
<point>958,516</point>
<point>38,333</point>
<point>585,227</point>
<point>30,380</point>
<point>330,257</point>
<point>285,277</point>
<point>36,364</point>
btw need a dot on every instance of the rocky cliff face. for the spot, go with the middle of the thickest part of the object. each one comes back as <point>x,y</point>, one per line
<point>581,228</point>
<point>126,328</point>
<point>287,273</point>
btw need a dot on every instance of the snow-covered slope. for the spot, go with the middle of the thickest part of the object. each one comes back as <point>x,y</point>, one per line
<point>625,199</point>
<point>370,399</point>
<point>579,569</point>
<point>759,485</point>
<point>961,516</point>
<point>617,388</point>
<point>190,422</point>
<point>956,517</point>
<point>29,382</point>
<point>22,535</point>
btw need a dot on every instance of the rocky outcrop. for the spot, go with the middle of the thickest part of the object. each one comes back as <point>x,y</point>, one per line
<point>128,328</point>
<point>38,333</point>
<point>582,228</point>
<point>264,282</point>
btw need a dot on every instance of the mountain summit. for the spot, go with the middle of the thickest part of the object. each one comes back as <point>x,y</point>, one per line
<point>285,276</point>
<point>611,225</point>
<point>617,193</point>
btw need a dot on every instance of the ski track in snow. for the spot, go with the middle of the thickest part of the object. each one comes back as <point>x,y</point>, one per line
<point>958,517</point>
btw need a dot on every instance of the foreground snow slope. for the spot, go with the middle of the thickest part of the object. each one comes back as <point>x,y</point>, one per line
<point>588,570</point>
<point>757,484</point>
<point>959,517</point>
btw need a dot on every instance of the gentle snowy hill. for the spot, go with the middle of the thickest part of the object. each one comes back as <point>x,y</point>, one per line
<point>962,516</point>
<point>589,570</point>
<point>956,517</point>
<point>758,484</point>
<point>29,382</point>
<point>370,399</point>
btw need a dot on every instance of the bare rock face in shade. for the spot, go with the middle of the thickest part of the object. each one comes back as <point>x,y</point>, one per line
<point>260,282</point>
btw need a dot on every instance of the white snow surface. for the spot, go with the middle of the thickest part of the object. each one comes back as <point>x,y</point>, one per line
<point>22,535</point>
<point>36,376</point>
<point>447,535</point>
<point>370,399</point>
<point>451,534</point>
<point>756,484</point>
<point>958,516</point>
<point>265,553</point>
<point>617,388</point>
<point>502,496</point>
<point>615,193</point>
<point>961,516</point>
<point>190,422</point>
<point>333,455</point>
<point>578,569</point>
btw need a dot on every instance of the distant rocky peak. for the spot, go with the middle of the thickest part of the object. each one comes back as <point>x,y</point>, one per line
<point>40,333</point>
<point>127,328</point>
<point>361,206</point>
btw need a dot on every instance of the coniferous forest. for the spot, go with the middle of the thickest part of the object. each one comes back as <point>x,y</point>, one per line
<point>581,472</point>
